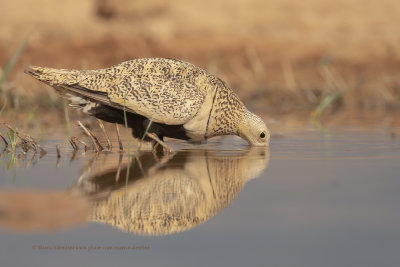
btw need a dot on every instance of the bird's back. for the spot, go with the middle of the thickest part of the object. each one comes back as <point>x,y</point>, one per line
<point>168,91</point>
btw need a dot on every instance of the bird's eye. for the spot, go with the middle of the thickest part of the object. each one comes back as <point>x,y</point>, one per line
<point>262,135</point>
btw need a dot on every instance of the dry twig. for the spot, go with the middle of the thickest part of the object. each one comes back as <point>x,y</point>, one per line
<point>96,143</point>
<point>109,145</point>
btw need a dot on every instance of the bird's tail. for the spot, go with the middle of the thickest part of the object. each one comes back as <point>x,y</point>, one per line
<point>66,83</point>
<point>53,76</point>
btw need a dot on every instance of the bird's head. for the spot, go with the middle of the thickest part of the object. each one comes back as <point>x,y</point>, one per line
<point>253,129</point>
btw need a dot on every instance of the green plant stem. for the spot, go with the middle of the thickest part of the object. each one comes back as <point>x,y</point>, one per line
<point>328,100</point>
<point>4,105</point>
<point>11,63</point>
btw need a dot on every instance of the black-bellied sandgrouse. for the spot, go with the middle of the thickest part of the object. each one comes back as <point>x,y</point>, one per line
<point>179,99</point>
<point>186,191</point>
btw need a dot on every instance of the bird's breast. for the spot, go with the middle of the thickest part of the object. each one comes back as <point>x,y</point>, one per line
<point>197,127</point>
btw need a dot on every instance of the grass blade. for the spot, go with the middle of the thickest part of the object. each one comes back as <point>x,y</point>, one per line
<point>11,63</point>
<point>328,100</point>
<point>4,105</point>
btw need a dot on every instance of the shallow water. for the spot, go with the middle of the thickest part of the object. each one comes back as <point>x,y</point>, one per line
<point>313,199</point>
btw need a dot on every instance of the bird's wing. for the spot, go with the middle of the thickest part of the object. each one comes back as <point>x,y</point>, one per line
<point>166,91</point>
<point>97,96</point>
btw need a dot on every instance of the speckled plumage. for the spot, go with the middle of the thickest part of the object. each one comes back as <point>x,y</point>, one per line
<point>166,91</point>
<point>188,190</point>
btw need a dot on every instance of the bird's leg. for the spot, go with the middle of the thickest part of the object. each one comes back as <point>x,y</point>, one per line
<point>155,146</point>
<point>164,145</point>
<point>160,163</point>
<point>121,147</point>
<point>154,151</point>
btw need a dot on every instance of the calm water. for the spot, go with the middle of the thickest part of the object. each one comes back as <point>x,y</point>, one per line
<point>312,199</point>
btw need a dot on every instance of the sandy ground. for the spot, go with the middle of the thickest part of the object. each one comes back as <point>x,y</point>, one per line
<point>281,56</point>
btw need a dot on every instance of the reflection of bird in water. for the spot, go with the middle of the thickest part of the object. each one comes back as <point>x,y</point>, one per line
<point>185,191</point>
<point>177,99</point>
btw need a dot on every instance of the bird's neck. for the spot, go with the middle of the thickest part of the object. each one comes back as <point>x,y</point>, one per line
<point>226,114</point>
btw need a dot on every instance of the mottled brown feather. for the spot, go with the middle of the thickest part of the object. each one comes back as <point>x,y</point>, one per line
<point>168,91</point>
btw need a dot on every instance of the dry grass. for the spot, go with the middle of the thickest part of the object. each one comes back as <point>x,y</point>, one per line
<point>281,56</point>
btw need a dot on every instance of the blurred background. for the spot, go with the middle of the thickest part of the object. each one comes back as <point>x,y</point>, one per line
<point>329,60</point>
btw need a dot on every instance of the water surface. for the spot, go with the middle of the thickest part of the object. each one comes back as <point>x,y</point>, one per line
<point>312,199</point>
